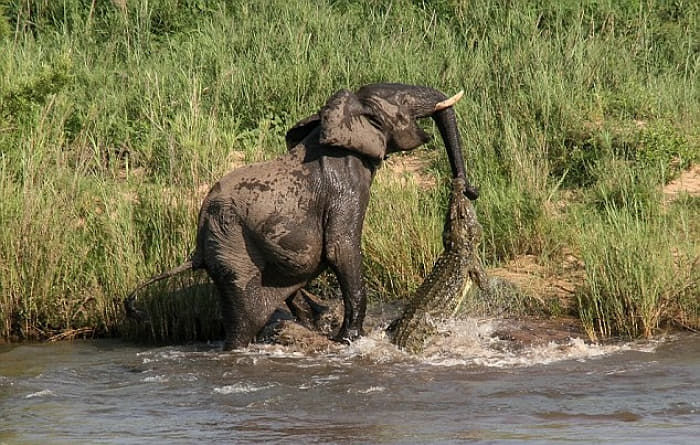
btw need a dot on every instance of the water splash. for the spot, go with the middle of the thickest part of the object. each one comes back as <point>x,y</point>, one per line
<point>42,393</point>
<point>240,388</point>
<point>161,378</point>
<point>471,342</point>
<point>369,390</point>
<point>459,342</point>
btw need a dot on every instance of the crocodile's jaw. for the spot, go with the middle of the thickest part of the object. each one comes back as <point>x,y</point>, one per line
<point>465,290</point>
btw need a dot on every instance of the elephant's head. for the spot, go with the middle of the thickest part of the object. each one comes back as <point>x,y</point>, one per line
<point>381,118</point>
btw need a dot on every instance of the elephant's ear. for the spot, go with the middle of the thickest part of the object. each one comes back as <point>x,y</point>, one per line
<point>346,123</point>
<point>301,129</point>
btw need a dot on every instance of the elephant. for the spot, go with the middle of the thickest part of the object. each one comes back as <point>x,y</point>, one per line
<point>266,229</point>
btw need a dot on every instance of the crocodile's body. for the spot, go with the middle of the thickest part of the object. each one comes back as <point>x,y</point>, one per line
<point>442,293</point>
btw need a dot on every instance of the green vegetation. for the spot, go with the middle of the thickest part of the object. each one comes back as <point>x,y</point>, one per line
<point>642,263</point>
<point>116,116</point>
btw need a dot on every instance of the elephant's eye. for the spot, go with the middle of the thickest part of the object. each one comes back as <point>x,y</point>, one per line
<point>375,122</point>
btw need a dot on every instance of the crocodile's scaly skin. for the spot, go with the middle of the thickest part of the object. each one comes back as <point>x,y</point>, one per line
<point>443,291</point>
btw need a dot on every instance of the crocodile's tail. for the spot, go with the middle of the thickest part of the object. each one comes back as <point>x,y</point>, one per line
<point>129,305</point>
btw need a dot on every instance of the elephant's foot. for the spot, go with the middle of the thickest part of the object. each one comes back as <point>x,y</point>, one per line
<point>238,342</point>
<point>305,307</point>
<point>347,336</point>
<point>241,332</point>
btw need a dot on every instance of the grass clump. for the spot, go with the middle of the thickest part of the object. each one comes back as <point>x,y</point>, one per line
<point>639,274</point>
<point>641,255</point>
<point>116,116</point>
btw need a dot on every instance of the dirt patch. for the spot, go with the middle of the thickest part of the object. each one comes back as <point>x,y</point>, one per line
<point>688,182</point>
<point>521,333</point>
<point>412,166</point>
<point>121,4</point>
<point>540,283</point>
<point>236,159</point>
<point>300,338</point>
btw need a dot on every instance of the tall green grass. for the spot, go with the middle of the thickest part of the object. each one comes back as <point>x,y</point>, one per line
<point>115,117</point>
<point>641,259</point>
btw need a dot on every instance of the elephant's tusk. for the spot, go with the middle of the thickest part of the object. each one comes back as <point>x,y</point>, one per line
<point>449,102</point>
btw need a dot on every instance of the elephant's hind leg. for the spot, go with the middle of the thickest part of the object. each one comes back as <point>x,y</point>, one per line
<point>247,309</point>
<point>234,265</point>
<point>244,311</point>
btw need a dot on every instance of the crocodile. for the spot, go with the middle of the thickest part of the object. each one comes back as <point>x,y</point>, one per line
<point>445,289</point>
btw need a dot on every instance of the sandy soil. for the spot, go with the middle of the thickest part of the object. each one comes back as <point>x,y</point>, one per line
<point>687,182</point>
<point>410,165</point>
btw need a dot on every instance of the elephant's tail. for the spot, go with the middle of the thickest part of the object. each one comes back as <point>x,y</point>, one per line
<point>129,305</point>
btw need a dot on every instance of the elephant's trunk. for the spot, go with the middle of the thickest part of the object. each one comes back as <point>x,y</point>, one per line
<point>446,121</point>
<point>430,102</point>
<point>440,108</point>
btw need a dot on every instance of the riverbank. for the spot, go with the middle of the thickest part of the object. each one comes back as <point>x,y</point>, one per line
<point>116,118</point>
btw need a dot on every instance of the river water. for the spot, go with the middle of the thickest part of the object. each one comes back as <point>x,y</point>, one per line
<point>467,388</point>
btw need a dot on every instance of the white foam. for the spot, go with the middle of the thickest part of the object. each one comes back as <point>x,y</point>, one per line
<point>469,342</point>
<point>272,350</point>
<point>374,347</point>
<point>155,379</point>
<point>369,390</point>
<point>161,356</point>
<point>42,393</point>
<point>459,342</point>
<point>240,388</point>
<point>189,377</point>
<point>573,349</point>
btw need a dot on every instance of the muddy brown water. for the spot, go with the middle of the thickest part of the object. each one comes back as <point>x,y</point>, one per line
<point>468,387</point>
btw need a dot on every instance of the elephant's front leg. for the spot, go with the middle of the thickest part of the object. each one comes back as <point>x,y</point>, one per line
<point>345,258</point>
